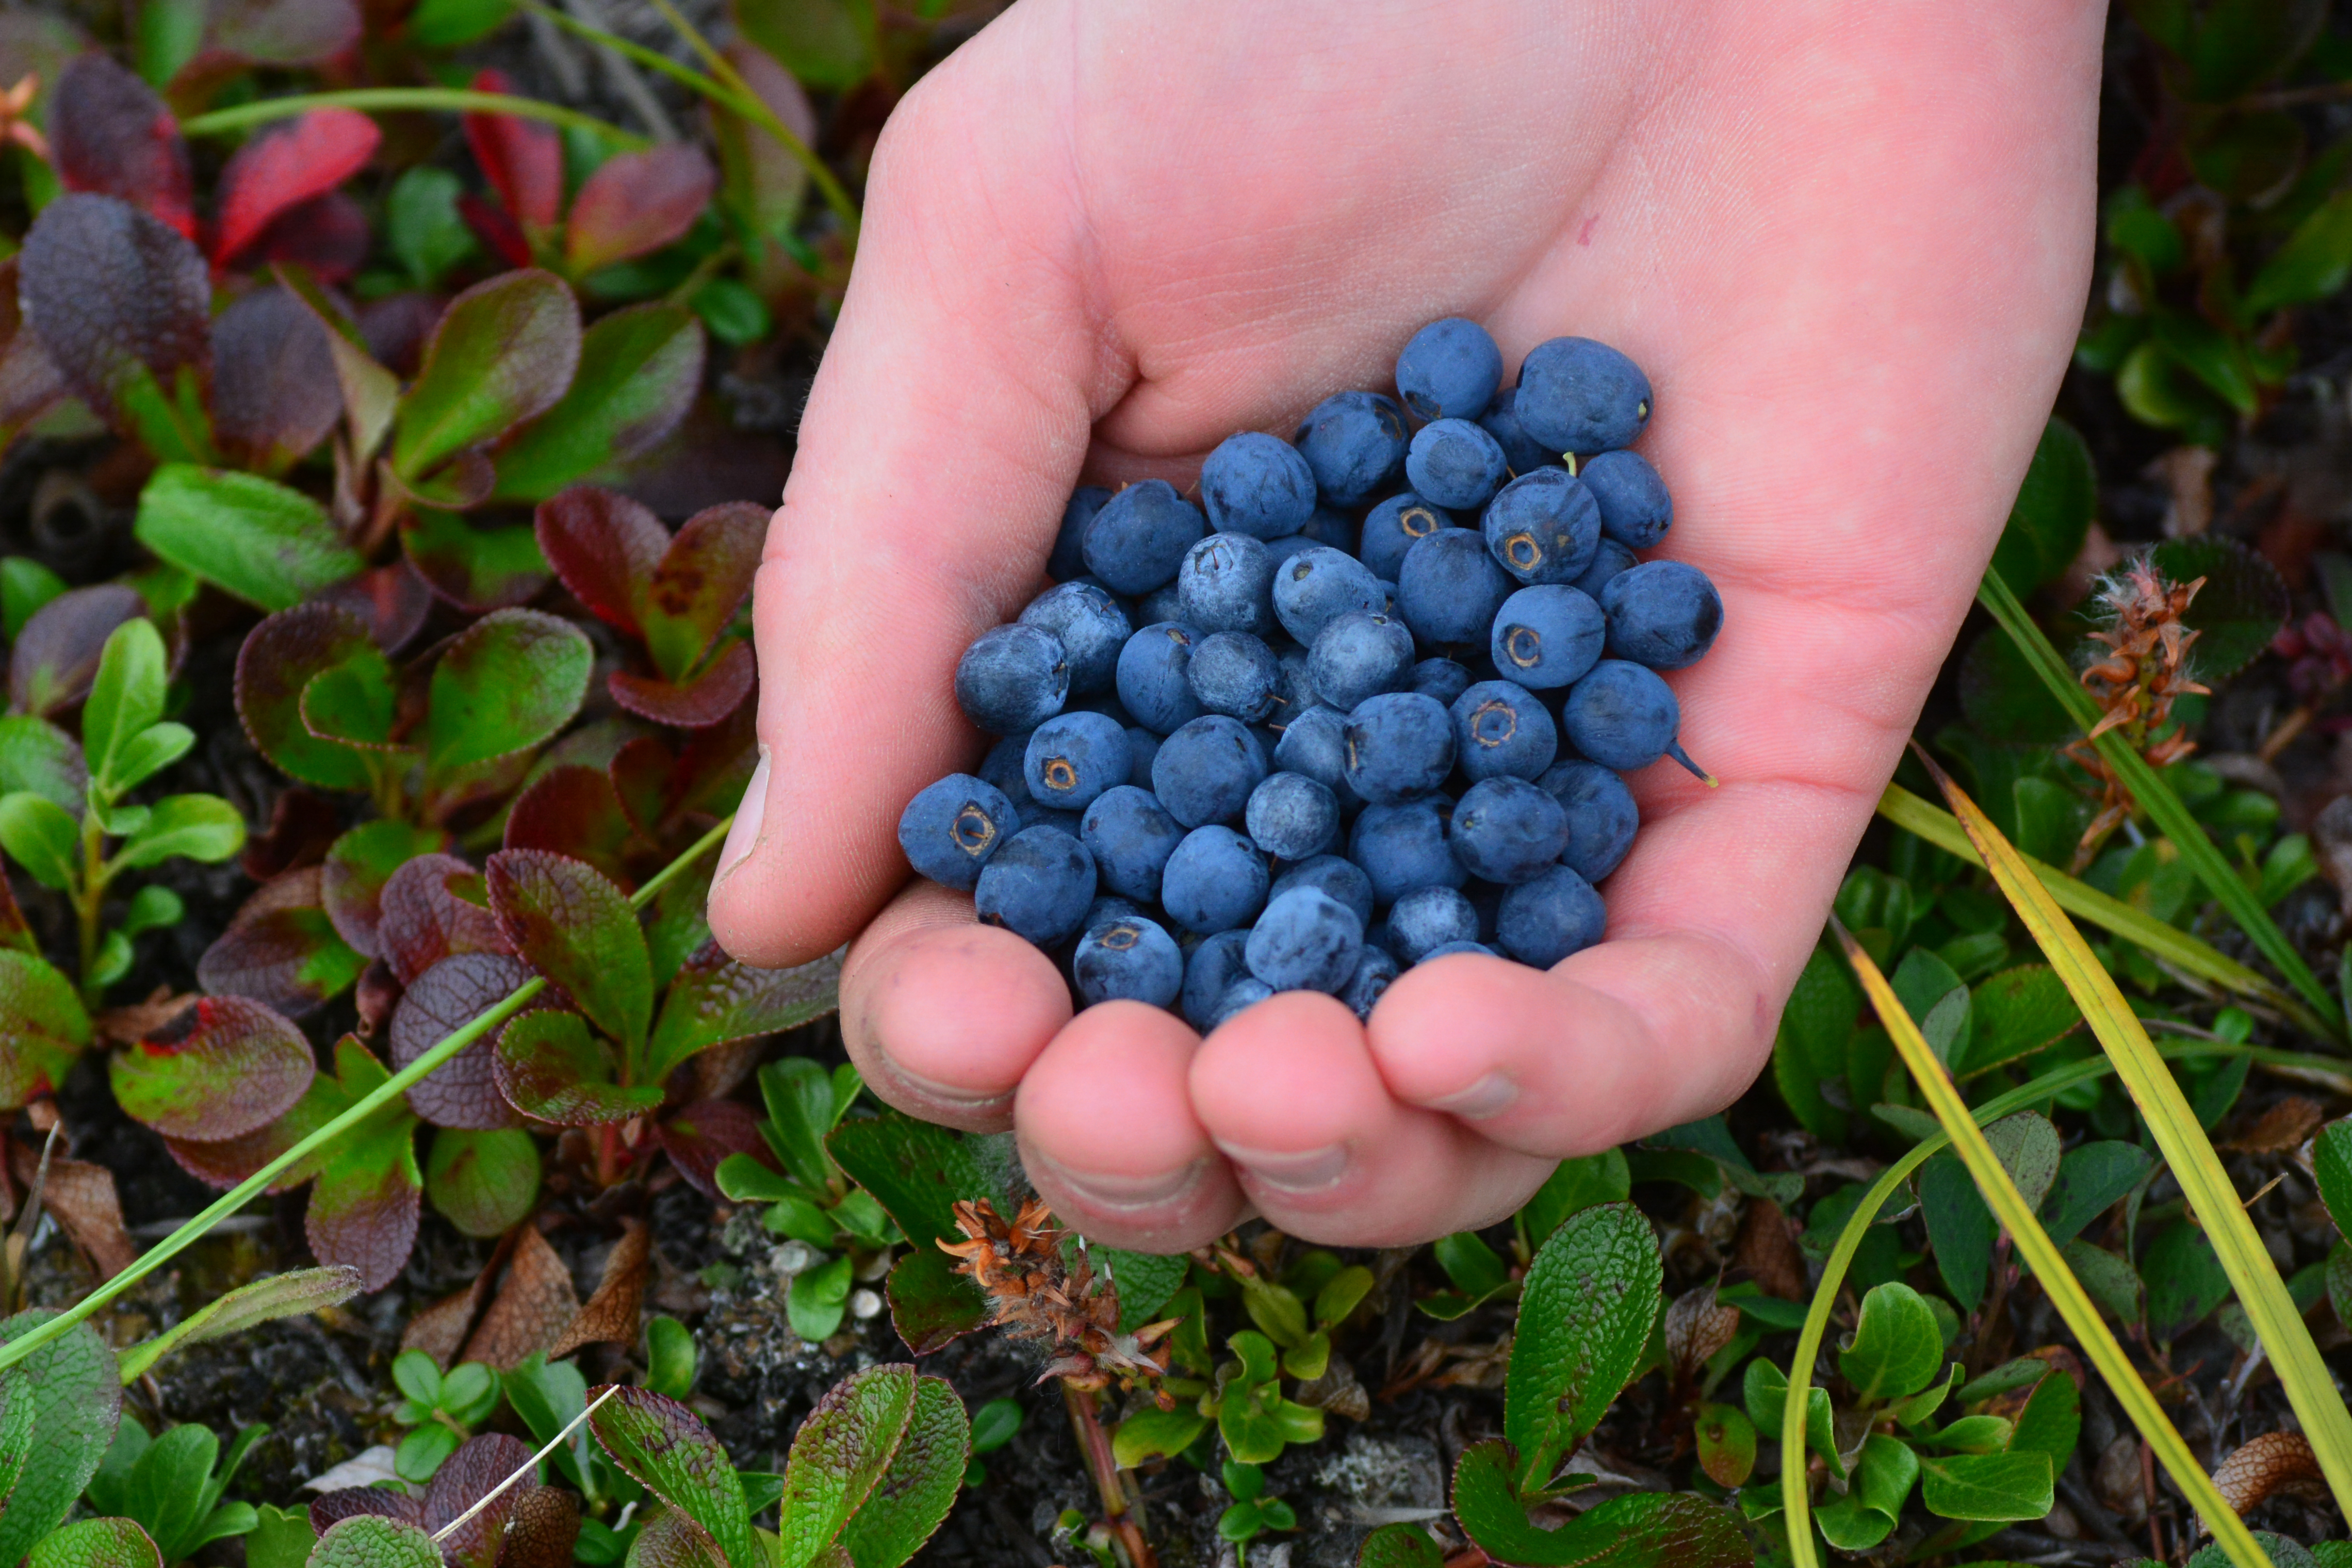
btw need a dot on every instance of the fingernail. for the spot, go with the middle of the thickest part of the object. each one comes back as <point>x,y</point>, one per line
<point>1490,1096</point>
<point>956,1099</point>
<point>1124,1194</point>
<point>1310,1172</point>
<point>744,836</point>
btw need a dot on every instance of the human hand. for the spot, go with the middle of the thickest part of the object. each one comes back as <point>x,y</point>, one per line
<point>1850,246</point>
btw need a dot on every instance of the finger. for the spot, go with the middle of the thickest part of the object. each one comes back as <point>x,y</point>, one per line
<point>942,1014</point>
<point>1290,1093</point>
<point>1107,1134</point>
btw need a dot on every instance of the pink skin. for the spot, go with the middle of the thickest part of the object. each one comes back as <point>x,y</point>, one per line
<point>1848,243</point>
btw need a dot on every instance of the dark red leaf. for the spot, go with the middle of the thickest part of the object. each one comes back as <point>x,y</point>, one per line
<point>480,1466</point>
<point>635,203</point>
<point>56,656</point>
<point>328,235</point>
<point>393,600</point>
<point>715,763</point>
<point>279,658</point>
<point>224,1067</point>
<point>375,995</point>
<point>292,163</point>
<point>574,811</point>
<point>542,1528</point>
<point>640,772</point>
<point>462,1092</point>
<point>706,699</point>
<point>110,291</point>
<point>494,228</point>
<point>706,1133</point>
<point>425,920</point>
<point>30,382</point>
<point>301,827</point>
<point>109,133</point>
<point>705,462</point>
<point>275,395</point>
<point>703,581</point>
<point>604,547</point>
<point>397,328</point>
<point>522,158</point>
<point>332,1507</point>
<point>281,949</point>
<point>366,1217</point>
<point>358,865</point>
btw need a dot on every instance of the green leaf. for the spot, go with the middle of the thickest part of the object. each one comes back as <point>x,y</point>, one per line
<point>96,1543</point>
<point>2238,611</point>
<point>1934,995</point>
<point>824,43</point>
<point>1575,1184</point>
<point>2092,1178</point>
<point>2331,1163</point>
<point>274,1295</point>
<point>373,1540</point>
<point>504,352</point>
<point>926,1469</point>
<point>1584,1318</point>
<point>422,224</point>
<point>2109,1281</point>
<point>1764,1389</point>
<point>1961,1228</point>
<point>37,756</point>
<point>1897,1348</point>
<point>279,659</point>
<point>1643,1530</point>
<point>282,1538</point>
<point>1986,1485</point>
<point>452,24</point>
<point>504,685</point>
<point>1866,1515</point>
<point>2213,356</point>
<point>551,1069</point>
<point>1149,1434</point>
<point>817,1301</point>
<point>2185,1280</point>
<point>639,370</point>
<point>477,568</point>
<point>202,828</point>
<point>1725,1440</point>
<point>2004,701</point>
<point>258,541</point>
<point>483,1181</point>
<point>917,1171</point>
<point>363,1208</point>
<point>714,1000</point>
<point>223,1067</point>
<point>43,1026</point>
<point>24,586</point>
<point>2018,1011</point>
<point>930,1304</point>
<point>149,752</point>
<point>1145,1282</point>
<point>2157,389</point>
<point>2027,1146</point>
<point>670,1358</point>
<point>2052,1421</point>
<point>799,1096</point>
<point>126,696</point>
<point>166,1485</point>
<point>73,1393</point>
<point>577,929</point>
<point>671,1453</point>
<point>2314,263</point>
<point>842,1452</point>
<point>2053,512</point>
<point>1400,1546</point>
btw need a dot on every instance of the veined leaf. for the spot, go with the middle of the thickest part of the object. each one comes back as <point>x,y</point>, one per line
<point>670,1453</point>
<point>224,1068</point>
<point>578,930</point>
<point>364,1210</point>
<point>503,352</point>
<point>551,1069</point>
<point>43,1026</point>
<point>704,577</point>
<point>839,1456</point>
<point>269,545</point>
<point>1585,1313</point>
<point>919,1485</point>
<point>504,685</point>
<point>639,370</point>
<point>714,999</point>
<point>372,1540</point>
<point>119,300</point>
<point>74,1393</point>
<point>96,1543</point>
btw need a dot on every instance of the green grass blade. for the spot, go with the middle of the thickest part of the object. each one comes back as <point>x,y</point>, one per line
<point>2155,796</point>
<point>451,100</point>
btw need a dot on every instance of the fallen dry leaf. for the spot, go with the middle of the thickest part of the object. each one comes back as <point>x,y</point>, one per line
<point>533,1305</point>
<point>2264,1465</point>
<point>134,1021</point>
<point>82,1198</point>
<point>2282,1128</point>
<point>1768,1251</point>
<point>1698,1325</point>
<point>611,1314</point>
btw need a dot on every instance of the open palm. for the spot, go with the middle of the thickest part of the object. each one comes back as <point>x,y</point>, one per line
<point>1848,242</point>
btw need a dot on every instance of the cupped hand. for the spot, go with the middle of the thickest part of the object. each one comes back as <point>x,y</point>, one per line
<point>1848,242</point>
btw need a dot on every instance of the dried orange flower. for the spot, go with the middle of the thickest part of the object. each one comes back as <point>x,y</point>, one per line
<point>15,105</point>
<point>1033,1294</point>
<point>2145,670</point>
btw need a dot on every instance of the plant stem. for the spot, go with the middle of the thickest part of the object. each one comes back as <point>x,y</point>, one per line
<point>398,1084</point>
<point>448,99</point>
<point>1103,1466</point>
<point>89,900</point>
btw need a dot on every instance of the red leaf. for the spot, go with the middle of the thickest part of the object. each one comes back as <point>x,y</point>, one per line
<point>573,810</point>
<point>57,653</point>
<point>423,921</point>
<point>285,166</point>
<point>463,1091</point>
<point>302,827</point>
<point>522,158</point>
<point>110,291</point>
<point>393,601</point>
<point>275,395</point>
<point>328,235</point>
<point>494,228</point>
<point>479,1465</point>
<point>703,579</point>
<point>701,702</point>
<point>640,772</point>
<point>635,203</point>
<point>333,1508</point>
<point>226,1066</point>
<point>604,547</point>
<point>109,133</point>
<point>715,763</point>
<point>281,949</point>
<point>706,1133</point>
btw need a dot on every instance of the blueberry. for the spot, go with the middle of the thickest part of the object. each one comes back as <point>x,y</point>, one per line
<point>1375,972</point>
<point>1486,898</point>
<point>1306,941</point>
<point>1292,817</point>
<point>1215,880</point>
<point>1206,770</point>
<point>1354,442</point>
<point>1294,685</point>
<point>1428,918</point>
<point>1257,485</point>
<point>1038,886</point>
<point>1578,396</point>
<point>1152,679</point>
<point>1239,997</point>
<point>1543,527</point>
<point>1130,836</point>
<point>1451,948</point>
<point>1069,559</point>
<point>1007,766</point>
<point>1441,679</point>
<point>1449,370</point>
<point>1501,730</point>
<point>1544,920</point>
<point>1111,906</point>
<point>1602,816</point>
<point>1449,587</point>
<point>1089,626</point>
<point>1011,678</point>
<point>1357,655</point>
<point>1335,877</point>
<point>1521,450</point>
<point>1073,759</point>
<point>1032,815</point>
<point>1138,538</point>
<point>1624,717</point>
<point>1235,674</point>
<point>1635,509</point>
<point>1400,744</point>
<point>1546,637</point>
<point>1315,742</point>
<point>1226,585</point>
<point>1456,464</point>
<point>1508,830</point>
<point>1160,605</point>
<point>1401,847</point>
<point>1664,613</point>
<point>1142,751</point>
<point>1330,526</point>
<point>951,829</point>
<point>1318,583</point>
<point>1215,964</point>
<point>1128,960</point>
<point>1609,559</point>
<point>1392,527</point>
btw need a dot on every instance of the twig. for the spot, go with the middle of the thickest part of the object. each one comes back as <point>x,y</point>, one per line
<point>526,1467</point>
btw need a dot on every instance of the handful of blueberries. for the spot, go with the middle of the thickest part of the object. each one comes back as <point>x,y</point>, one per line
<point>1301,746</point>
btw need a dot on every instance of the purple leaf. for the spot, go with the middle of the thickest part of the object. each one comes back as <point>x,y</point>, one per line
<point>226,1066</point>
<point>275,395</point>
<point>575,927</point>
<point>703,581</point>
<point>574,810</point>
<point>479,1465</point>
<point>606,548</point>
<point>698,1137</point>
<point>116,298</point>
<point>552,1069</point>
<point>463,1091</point>
<point>280,657</point>
<point>635,203</point>
<point>640,772</point>
<point>330,1509</point>
<point>701,703</point>
<point>109,133</point>
<point>424,920</point>
<point>358,865</point>
<point>286,165</point>
<point>56,656</point>
<point>328,235</point>
<point>281,949</point>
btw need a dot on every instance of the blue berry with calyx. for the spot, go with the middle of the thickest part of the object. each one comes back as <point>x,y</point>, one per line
<point>1294,685</point>
<point>1357,655</point>
<point>1038,886</point>
<point>1544,920</point>
<point>1258,485</point>
<point>1292,817</point>
<point>1449,587</point>
<point>1315,742</point>
<point>1441,679</point>
<point>1239,997</point>
<point>1306,941</point>
<point>1355,443</point>
<point>1429,918</point>
<point>1130,836</point>
<point>1142,751</point>
<point>1400,745</point>
<point>1543,527</point>
<point>1206,770</point>
<point>1215,964</point>
<point>1007,766</point>
<point>1226,585</point>
<point>1456,463</point>
<point>1635,509</point>
<point>1069,557</point>
<point>1011,678</point>
<point>1394,526</point>
<point>1401,847</point>
<point>1320,584</point>
<point>1521,450</point>
<point>1375,972</point>
<point>1449,370</point>
<point>950,828</point>
<point>1664,613</point>
<point>1091,628</point>
<point>1578,396</point>
<point>1451,948</point>
<point>1130,959</point>
<point>1139,538</point>
<point>1334,875</point>
<point>1602,816</point>
<point>1502,730</point>
<point>1546,637</point>
<point>1508,830</point>
<point>1215,881</point>
<point>1073,759</point>
<point>1330,526</point>
<point>1235,674</point>
<point>1152,679</point>
<point>1622,716</point>
<point>1609,559</point>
